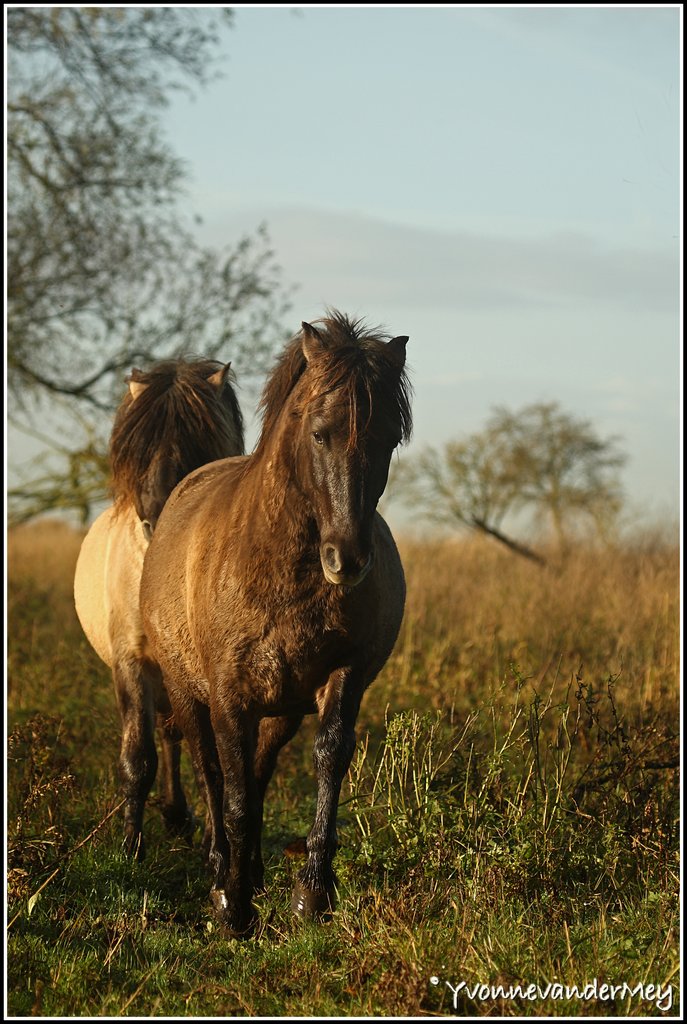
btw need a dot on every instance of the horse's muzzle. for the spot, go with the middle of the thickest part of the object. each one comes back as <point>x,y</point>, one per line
<point>341,573</point>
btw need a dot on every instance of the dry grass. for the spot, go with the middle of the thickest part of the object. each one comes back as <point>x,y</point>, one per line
<point>512,813</point>
<point>474,610</point>
<point>45,551</point>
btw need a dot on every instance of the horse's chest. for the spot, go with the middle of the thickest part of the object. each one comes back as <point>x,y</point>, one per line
<point>294,658</point>
<point>300,658</point>
<point>278,646</point>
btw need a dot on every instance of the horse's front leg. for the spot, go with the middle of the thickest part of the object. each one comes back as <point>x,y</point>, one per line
<point>138,756</point>
<point>333,749</point>
<point>235,735</point>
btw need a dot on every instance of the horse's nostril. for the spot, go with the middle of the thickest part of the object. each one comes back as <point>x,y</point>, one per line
<point>332,558</point>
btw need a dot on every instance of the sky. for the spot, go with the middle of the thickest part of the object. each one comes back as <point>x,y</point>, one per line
<point>502,184</point>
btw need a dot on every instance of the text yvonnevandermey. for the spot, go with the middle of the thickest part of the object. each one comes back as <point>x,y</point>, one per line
<point>661,996</point>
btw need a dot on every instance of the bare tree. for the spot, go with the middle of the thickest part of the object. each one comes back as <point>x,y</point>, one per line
<point>539,460</point>
<point>566,473</point>
<point>103,268</point>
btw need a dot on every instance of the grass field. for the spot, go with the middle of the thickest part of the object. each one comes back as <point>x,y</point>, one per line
<point>510,819</point>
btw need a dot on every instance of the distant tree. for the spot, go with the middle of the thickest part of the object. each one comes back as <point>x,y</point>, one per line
<point>103,270</point>
<point>565,472</point>
<point>539,460</point>
<point>78,486</point>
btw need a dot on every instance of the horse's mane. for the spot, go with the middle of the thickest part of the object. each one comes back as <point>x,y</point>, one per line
<point>354,361</point>
<point>179,411</point>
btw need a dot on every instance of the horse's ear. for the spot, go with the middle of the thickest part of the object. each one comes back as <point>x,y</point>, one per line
<point>136,387</point>
<point>218,378</point>
<point>313,343</point>
<point>397,350</point>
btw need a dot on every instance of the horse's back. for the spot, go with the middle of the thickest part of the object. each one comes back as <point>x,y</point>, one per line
<point>393,581</point>
<point>188,510</point>
<point>382,599</point>
<point>193,489</point>
<point>107,580</point>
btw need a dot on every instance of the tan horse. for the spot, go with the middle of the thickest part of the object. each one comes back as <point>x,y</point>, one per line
<point>273,589</point>
<point>173,419</point>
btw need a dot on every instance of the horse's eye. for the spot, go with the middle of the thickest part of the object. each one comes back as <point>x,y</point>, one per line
<point>317,437</point>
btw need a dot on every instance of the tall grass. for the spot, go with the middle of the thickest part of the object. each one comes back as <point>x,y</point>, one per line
<point>511,815</point>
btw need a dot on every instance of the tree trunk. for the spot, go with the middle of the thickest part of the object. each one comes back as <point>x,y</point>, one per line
<point>519,549</point>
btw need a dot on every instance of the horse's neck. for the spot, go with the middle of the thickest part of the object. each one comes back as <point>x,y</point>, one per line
<point>275,494</point>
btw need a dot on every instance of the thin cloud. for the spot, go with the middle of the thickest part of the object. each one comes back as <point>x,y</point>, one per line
<point>390,262</point>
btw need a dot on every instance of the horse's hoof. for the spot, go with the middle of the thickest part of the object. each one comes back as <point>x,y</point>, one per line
<point>234,924</point>
<point>311,905</point>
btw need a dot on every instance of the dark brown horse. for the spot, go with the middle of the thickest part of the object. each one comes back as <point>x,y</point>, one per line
<point>173,419</point>
<point>272,589</point>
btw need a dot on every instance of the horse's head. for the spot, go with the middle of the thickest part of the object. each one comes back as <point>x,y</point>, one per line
<point>353,412</point>
<point>155,487</point>
<point>175,417</point>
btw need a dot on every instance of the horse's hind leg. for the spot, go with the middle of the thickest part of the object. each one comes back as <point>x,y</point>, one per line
<point>176,812</point>
<point>194,721</point>
<point>235,732</point>
<point>138,756</point>
<point>273,734</point>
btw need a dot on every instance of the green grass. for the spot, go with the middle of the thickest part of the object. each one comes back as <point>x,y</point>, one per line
<point>510,818</point>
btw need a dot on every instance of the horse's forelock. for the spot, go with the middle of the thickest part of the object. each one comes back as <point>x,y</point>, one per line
<point>353,363</point>
<point>178,409</point>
